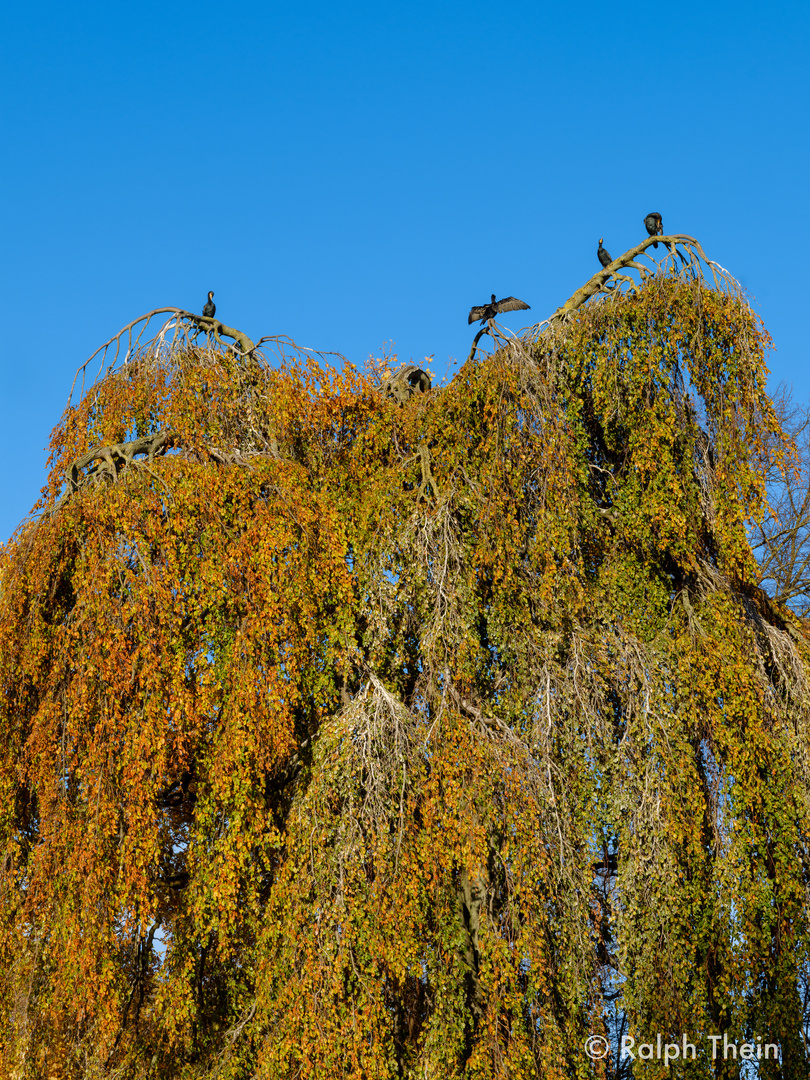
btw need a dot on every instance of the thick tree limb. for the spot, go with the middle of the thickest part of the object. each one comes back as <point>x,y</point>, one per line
<point>428,481</point>
<point>490,327</point>
<point>598,282</point>
<point>608,279</point>
<point>219,330</point>
<point>115,457</point>
<point>106,462</point>
<point>402,384</point>
<point>471,894</point>
<point>179,322</point>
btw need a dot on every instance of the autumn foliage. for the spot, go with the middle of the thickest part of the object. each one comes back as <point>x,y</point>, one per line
<point>346,739</point>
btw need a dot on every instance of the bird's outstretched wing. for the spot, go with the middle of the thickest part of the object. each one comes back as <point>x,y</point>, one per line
<point>477,313</point>
<point>509,303</point>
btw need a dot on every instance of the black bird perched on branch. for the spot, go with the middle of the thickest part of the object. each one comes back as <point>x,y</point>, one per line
<point>210,308</point>
<point>495,307</point>
<point>654,226</point>
<point>603,254</point>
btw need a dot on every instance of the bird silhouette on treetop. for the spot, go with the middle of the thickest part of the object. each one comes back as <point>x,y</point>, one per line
<point>496,307</point>
<point>210,308</point>
<point>603,254</point>
<point>654,226</point>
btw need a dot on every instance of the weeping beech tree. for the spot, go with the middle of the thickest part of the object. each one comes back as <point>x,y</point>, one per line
<point>345,738</point>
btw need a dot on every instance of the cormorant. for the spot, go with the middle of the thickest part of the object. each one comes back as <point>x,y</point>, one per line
<point>603,253</point>
<point>210,308</point>
<point>654,226</point>
<point>495,307</point>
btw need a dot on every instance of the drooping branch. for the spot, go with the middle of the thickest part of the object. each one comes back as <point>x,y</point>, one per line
<point>182,323</point>
<point>497,334</point>
<point>690,261</point>
<point>487,328</point>
<point>428,481</point>
<point>598,283</point>
<point>220,330</point>
<point>180,329</point>
<point>685,252</point>
<point>407,380</point>
<point>116,456</point>
<point>107,462</point>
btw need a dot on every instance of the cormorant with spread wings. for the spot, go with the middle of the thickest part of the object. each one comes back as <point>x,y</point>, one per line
<point>496,307</point>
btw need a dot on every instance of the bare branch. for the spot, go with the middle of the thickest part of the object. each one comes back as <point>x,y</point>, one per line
<point>600,280</point>
<point>183,323</point>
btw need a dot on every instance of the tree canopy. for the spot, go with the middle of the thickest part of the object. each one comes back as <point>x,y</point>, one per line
<point>345,738</point>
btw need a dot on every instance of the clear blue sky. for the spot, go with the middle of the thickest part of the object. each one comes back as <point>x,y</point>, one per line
<point>356,174</point>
